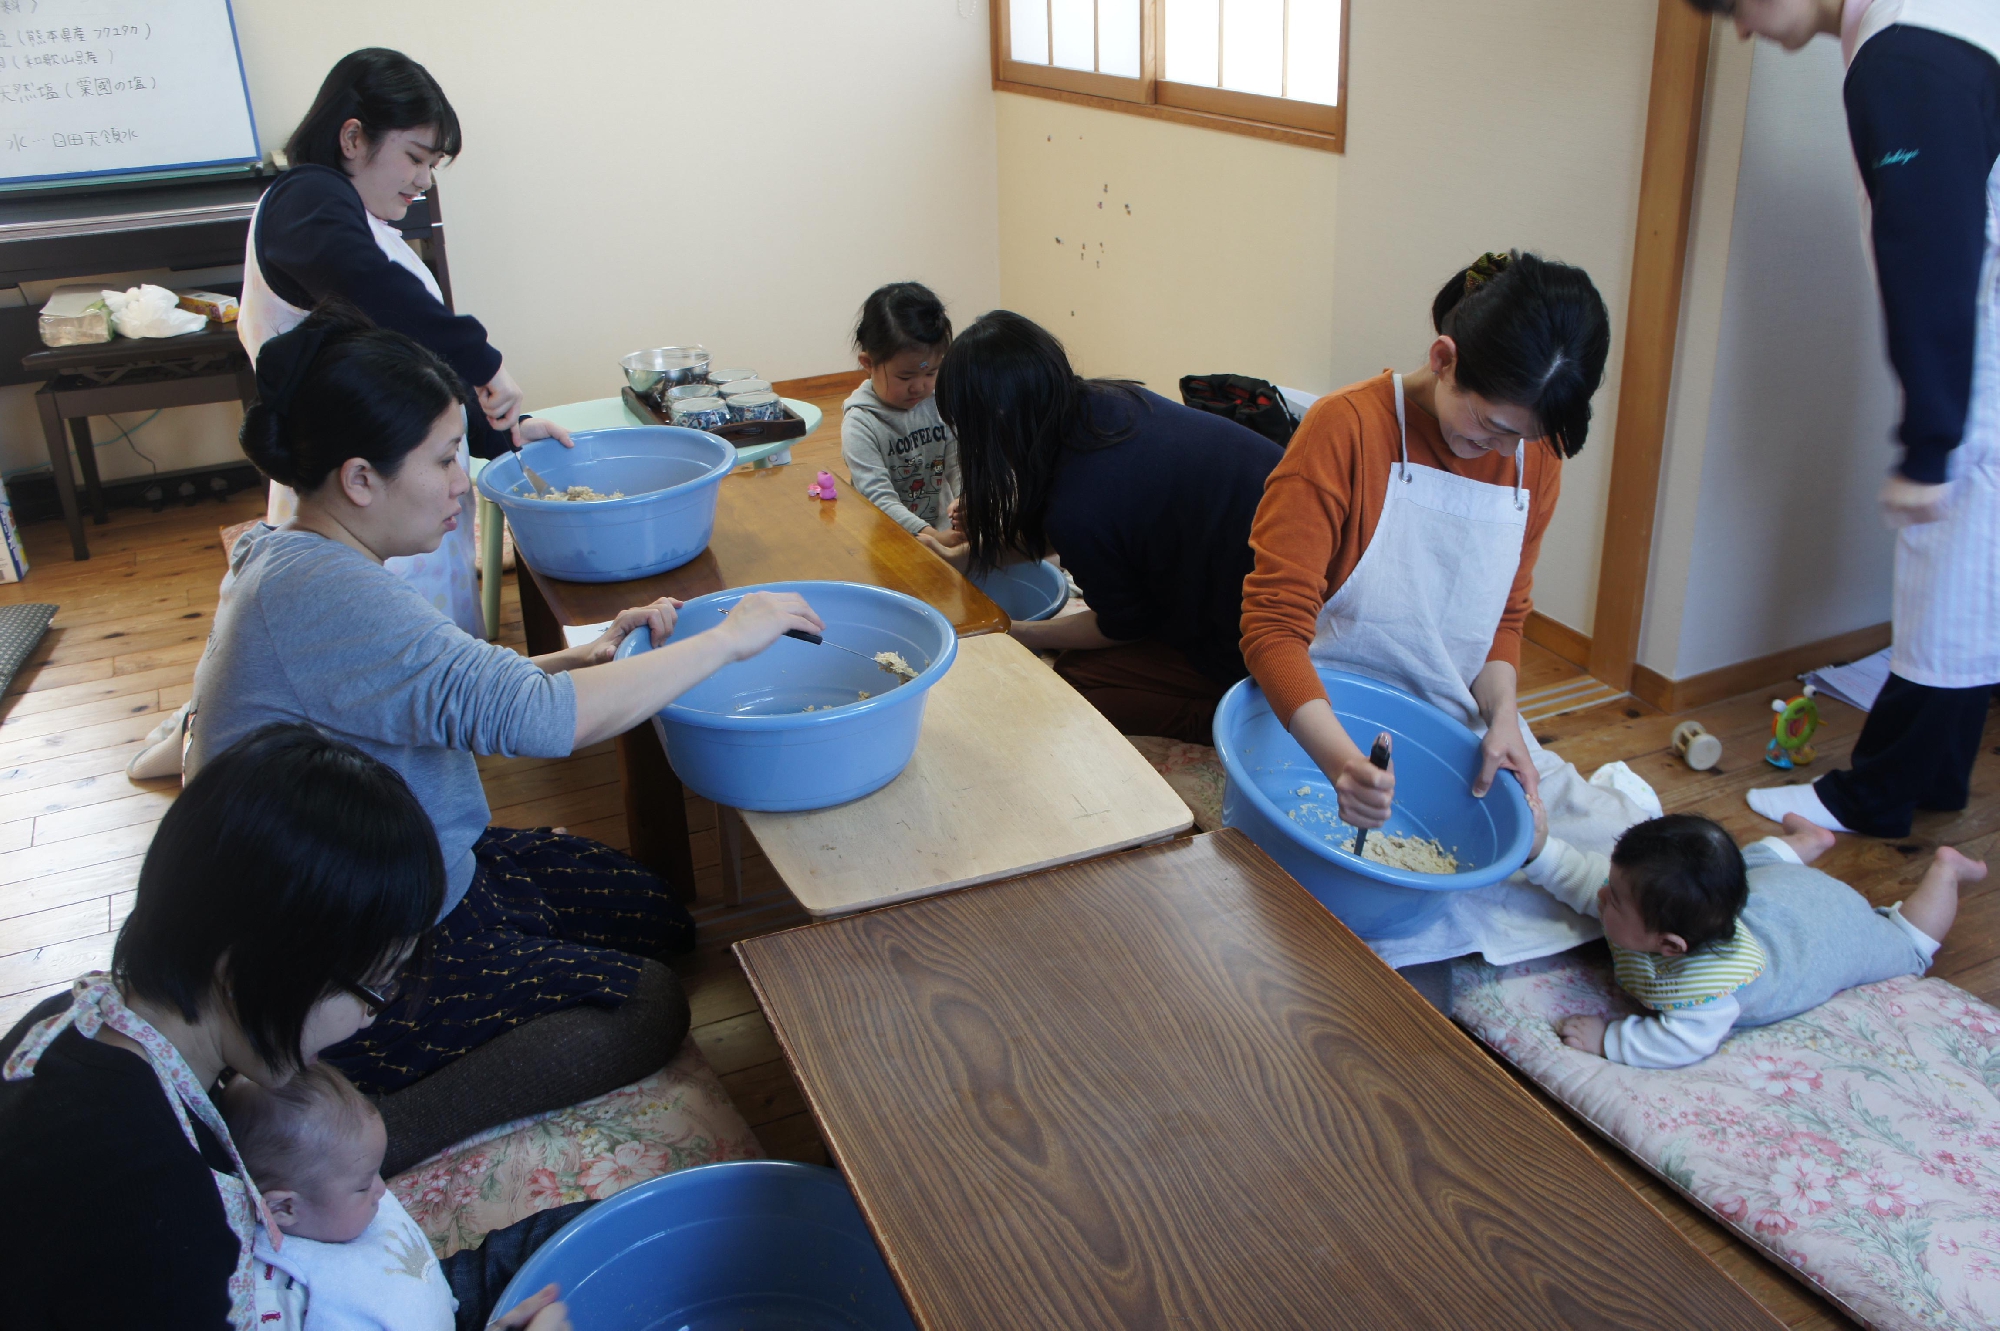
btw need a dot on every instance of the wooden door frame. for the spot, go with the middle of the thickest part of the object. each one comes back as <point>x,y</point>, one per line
<point>1681,39</point>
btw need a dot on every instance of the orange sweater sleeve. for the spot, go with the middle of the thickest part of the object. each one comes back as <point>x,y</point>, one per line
<point>1308,502</point>
<point>1545,482</point>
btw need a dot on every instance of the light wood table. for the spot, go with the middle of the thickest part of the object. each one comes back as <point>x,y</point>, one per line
<point>766,530</point>
<point>1169,1089</point>
<point>1014,772</point>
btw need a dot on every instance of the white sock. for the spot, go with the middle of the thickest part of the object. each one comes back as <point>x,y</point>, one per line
<point>1774,802</point>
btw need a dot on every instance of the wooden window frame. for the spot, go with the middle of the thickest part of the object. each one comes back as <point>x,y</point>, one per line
<point>1307,124</point>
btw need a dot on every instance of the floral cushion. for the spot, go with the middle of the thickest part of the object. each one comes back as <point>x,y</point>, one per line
<point>679,1116</point>
<point>1194,772</point>
<point>1859,1143</point>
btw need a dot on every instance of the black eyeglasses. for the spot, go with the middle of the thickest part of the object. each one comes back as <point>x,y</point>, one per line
<point>372,1000</point>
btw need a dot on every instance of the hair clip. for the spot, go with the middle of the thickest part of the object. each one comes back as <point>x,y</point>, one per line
<point>1484,269</point>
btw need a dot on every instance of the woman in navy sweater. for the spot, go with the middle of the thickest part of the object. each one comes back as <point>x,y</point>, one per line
<point>363,154</point>
<point>1148,502</point>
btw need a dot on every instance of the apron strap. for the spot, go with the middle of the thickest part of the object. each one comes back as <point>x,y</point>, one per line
<point>1520,473</point>
<point>1402,432</point>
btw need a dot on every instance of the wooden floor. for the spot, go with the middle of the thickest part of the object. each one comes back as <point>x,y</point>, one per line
<point>134,617</point>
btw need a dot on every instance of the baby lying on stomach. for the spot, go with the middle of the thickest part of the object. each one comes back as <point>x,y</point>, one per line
<point>1708,938</point>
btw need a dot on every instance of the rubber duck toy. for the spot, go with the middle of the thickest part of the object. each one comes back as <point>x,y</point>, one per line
<point>1792,731</point>
<point>822,486</point>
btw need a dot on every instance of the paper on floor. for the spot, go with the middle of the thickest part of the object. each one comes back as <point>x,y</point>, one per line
<point>1857,683</point>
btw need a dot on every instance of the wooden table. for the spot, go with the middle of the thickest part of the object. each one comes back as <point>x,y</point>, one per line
<point>766,530</point>
<point>1168,1089</point>
<point>1014,772</point>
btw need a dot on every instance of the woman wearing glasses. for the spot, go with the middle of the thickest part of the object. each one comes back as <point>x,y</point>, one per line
<point>545,983</point>
<point>285,888</point>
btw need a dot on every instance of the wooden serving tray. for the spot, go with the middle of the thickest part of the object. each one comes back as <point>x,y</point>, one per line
<point>744,434</point>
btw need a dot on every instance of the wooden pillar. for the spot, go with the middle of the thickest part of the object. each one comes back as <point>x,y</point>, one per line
<point>1652,322</point>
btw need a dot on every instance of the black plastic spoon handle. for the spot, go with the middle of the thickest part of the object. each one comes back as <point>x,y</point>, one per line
<point>1379,756</point>
<point>804,636</point>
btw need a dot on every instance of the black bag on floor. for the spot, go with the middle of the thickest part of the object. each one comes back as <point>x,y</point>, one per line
<point>1247,401</point>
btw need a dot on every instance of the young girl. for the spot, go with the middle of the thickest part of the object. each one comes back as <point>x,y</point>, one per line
<point>900,454</point>
<point>1398,538</point>
<point>1147,501</point>
<point>1709,938</point>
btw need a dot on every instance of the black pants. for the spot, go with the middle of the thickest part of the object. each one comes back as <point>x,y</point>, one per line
<point>478,1275</point>
<point>1915,752</point>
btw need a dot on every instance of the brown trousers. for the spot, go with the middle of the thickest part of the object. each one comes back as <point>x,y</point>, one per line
<point>1145,688</point>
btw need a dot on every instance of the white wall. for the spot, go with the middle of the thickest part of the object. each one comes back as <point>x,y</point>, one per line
<point>1471,126</point>
<point>615,193</point>
<point>1156,250</point>
<point>1782,544</point>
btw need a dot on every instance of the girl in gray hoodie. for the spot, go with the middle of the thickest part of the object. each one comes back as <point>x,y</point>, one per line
<point>899,452</point>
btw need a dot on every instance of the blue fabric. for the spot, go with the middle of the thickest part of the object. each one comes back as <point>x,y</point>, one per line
<point>1820,937</point>
<point>1155,527</point>
<point>1923,113</point>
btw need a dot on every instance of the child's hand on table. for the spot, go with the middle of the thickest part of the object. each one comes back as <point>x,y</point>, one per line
<point>657,617</point>
<point>956,515</point>
<point>1583,1032</point>
<point>957,555</point>
<point>949,539</point>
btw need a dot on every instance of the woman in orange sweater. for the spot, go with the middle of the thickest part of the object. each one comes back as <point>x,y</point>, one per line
<point>1398,540</point>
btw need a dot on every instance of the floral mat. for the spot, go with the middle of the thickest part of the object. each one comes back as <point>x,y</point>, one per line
<point>678,1117</point>
<point>1194,772</point>
<point>1858,1144</point>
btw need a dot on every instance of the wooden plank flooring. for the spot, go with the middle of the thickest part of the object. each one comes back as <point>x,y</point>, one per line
<point>73,828</point>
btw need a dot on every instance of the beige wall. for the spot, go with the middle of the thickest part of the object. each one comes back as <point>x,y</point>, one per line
<point>1471,127</point>
<point>1768,536</point>
<point>638,172</point>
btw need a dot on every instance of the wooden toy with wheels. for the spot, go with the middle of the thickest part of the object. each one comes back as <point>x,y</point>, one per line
<point>1699,749</point>
<point>1792,731</point>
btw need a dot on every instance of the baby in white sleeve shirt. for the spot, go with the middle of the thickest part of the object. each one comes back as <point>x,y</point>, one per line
<point>314,1147</point>
<point>1708,938</point>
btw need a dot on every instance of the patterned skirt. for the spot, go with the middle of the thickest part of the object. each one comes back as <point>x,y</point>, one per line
<point>550,921</point>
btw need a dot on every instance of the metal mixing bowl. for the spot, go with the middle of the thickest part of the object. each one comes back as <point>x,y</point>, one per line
<point>655,370</point>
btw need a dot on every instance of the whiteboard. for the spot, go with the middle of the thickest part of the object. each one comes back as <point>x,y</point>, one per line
<point>109,87</point>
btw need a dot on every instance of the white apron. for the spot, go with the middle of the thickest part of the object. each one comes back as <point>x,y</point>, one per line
<point>1947,598</point>
<point>1420,611</point>
<point>448,577</point>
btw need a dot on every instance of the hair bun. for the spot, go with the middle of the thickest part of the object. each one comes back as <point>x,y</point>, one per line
<point>264,442</point>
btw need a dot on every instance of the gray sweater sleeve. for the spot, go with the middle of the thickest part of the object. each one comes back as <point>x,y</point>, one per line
<point>392,669</point>
<point>863,437</point>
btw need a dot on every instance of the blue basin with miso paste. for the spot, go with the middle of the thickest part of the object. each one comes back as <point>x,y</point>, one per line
<point>749,1245</point>
<point>745,737</point>
<point>667,475</point>
<point>1276,794</point>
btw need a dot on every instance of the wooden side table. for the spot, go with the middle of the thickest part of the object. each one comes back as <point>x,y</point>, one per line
<point>127,374</point>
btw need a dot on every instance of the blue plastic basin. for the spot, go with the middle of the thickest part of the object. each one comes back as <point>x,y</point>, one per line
<point>1436,761</point>
<point>1026,591</point>
<point>742,737</point>
<point>667,474</point>
<point>751,1245</point>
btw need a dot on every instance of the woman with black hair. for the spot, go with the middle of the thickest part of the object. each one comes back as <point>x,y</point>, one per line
<point>284,893</point>
<point>363,154</point>
<point>1147,501</point>
<point>1398,540</point>
<point>545,984</point>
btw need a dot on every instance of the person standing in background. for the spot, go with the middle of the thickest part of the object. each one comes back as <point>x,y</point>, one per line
<point>1923,113</point>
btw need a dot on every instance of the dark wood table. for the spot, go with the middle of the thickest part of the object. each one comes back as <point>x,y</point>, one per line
<point>1168,1089</point>
<point>767,529</point>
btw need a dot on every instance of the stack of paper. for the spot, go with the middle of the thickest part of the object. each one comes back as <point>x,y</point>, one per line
<point>1857,683</point>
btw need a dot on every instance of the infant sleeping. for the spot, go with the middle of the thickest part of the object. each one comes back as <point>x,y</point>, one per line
<point>1708,938</point>
<point>314,1147</point>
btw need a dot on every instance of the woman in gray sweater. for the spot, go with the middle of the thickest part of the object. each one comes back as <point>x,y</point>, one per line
<point>543,984</point>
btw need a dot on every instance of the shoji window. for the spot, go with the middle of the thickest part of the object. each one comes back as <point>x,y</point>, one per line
<point>1274,67</point>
